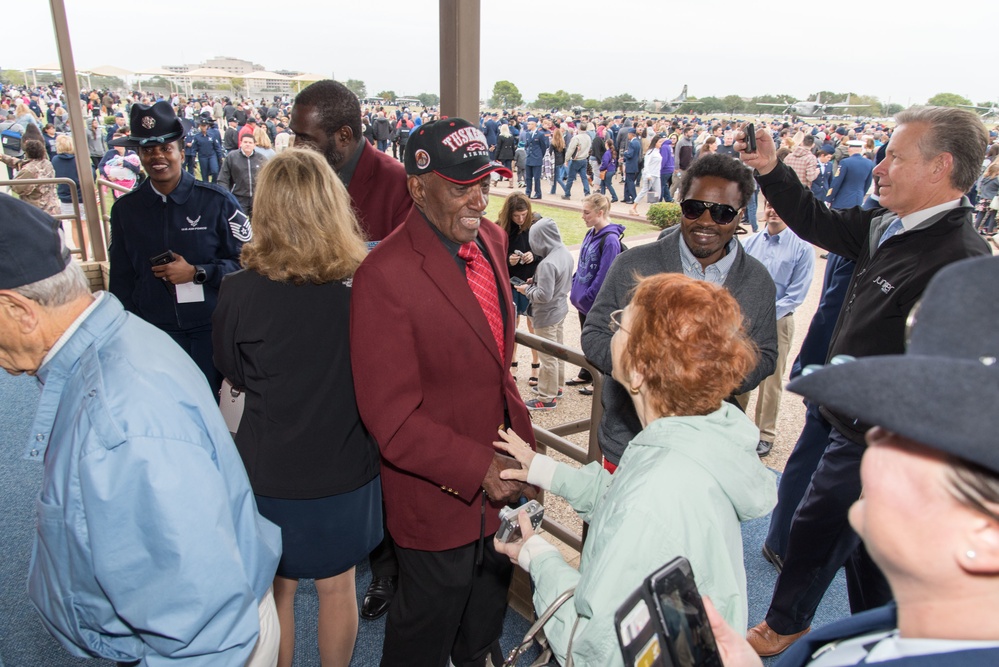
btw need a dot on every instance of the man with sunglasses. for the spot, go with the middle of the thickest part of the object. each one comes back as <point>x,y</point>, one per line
<point>713,192</point>
<point>173,238</point>
<point>924,224</point>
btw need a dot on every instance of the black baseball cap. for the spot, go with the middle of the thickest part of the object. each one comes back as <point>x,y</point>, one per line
<point>452,148</point>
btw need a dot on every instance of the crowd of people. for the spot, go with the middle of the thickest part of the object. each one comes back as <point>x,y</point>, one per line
<point>332,273</point>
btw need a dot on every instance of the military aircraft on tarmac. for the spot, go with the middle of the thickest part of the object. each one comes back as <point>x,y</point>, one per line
<point>991,110</point>
<point>669,107</point>
<point>810,109</point>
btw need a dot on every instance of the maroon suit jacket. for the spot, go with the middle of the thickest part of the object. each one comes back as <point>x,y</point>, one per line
<point>378,193</point>
<point>431,387</point>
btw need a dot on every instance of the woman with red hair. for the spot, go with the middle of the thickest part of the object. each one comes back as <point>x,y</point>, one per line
<point>684,484</point>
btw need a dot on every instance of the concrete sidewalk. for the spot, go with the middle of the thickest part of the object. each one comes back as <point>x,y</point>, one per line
<point>618,209</point>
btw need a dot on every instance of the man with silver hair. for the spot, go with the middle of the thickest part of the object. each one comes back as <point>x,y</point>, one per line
<point>149,549</point>
<point>922,225</point>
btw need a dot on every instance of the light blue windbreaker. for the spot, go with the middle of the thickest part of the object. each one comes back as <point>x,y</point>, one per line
<point>149,546</point>
<point>683,488</point>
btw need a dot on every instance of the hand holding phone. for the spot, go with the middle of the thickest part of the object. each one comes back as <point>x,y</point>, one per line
<point>162,258</point>
<point>750,131</point>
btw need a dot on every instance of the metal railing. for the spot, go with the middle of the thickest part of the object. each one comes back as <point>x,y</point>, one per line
<point>554,438</point>
<point>81,252</point>
<point>105,212</point>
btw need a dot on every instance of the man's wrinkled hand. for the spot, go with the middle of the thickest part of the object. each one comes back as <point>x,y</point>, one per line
<point>502,490</point>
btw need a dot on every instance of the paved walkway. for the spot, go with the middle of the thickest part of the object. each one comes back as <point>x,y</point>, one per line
<point>575,203</point>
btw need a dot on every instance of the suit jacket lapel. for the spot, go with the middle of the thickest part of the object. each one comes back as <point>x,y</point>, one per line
<point>442,271</point>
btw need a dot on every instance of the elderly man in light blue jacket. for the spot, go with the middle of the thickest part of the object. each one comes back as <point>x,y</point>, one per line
<point>149,547</point>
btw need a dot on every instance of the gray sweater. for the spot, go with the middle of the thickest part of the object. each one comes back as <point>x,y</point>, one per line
<point>747,280</point>
<point>553,278</point>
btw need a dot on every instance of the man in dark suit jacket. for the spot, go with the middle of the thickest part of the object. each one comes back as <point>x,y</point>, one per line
<point>853,180</point>
<point>823,181</point>
<point>327,118</point>
<point>431,362</point>
<point>491,129</point>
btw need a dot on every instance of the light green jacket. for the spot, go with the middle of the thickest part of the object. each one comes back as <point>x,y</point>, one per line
<point>683,487</point>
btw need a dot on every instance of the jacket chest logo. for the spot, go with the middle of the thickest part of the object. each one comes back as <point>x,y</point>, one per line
<point>885,286</point>
<point>194,223</point>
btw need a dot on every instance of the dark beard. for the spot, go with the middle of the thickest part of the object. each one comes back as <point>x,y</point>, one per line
<point>333,156</point>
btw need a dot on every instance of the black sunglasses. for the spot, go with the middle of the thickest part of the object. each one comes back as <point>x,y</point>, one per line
<point>721,213</point>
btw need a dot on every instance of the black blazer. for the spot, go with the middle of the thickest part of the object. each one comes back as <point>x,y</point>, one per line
<point>288,347</point>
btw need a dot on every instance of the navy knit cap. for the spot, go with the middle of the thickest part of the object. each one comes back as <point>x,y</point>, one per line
<point>31,248</point>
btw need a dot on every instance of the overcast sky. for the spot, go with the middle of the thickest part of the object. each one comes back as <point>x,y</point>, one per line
<point>899,51</point>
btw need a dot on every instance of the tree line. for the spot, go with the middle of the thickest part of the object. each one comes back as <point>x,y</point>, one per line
<point>506,95</point>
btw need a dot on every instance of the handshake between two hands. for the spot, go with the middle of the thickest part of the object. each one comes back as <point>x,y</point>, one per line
<point>506,481</point>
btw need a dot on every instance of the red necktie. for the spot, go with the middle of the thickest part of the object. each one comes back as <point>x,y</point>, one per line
<point>482,280</point>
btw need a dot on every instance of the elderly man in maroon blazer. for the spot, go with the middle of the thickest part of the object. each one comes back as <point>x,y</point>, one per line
<point>432,328</point>
<point>327,118</point>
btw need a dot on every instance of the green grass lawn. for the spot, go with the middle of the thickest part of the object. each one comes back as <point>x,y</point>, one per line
<point>570,223</point>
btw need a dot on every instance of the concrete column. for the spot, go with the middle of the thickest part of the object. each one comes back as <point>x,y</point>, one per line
<point>459,52</point>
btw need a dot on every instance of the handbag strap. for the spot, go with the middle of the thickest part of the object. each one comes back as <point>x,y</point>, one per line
<point>519,650</point>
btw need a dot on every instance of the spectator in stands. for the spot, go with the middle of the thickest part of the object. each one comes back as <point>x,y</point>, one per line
<point>240,172</point>
<point>35,165</point>
<point>506,149</point>
<point>97,145</point>
<point>681,349</point>
<point>64,166</point>
<point>120,165</point>
<point>262,140</point>
<point>608,166</point>
<point>314,471</point>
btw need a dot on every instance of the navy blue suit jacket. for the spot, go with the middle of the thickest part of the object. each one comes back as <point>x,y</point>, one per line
<point>853,180</point>
<point>880,619</point>
<point>632,155</point>
<point>822,183</point>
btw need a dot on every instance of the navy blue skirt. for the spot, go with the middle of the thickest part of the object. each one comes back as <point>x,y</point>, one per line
<point>324,537</point>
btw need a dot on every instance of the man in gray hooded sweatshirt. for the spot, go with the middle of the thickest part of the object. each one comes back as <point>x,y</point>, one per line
<point>547,293</point>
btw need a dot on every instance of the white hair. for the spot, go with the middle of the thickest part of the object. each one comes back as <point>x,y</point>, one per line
<point>58,290</point>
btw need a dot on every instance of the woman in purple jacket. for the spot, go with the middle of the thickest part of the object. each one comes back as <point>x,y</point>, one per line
<point>666,169</point>
<point>601,245</point>
<point>608,165</point>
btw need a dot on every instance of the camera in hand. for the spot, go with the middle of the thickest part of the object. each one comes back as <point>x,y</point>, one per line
<point>509,529</point>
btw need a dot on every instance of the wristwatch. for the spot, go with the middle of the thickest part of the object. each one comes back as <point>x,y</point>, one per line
<point>200,275</point>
